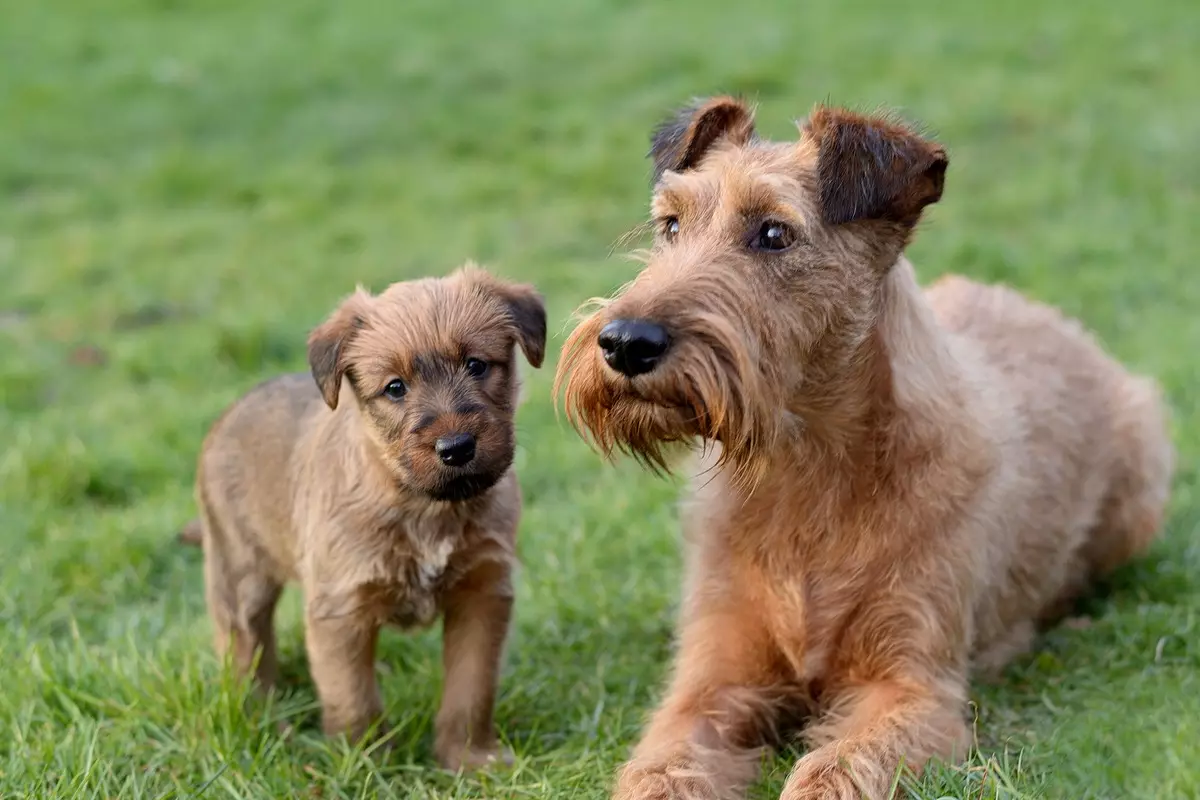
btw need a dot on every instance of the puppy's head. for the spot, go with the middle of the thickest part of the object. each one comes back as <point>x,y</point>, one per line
<point>432,366</point>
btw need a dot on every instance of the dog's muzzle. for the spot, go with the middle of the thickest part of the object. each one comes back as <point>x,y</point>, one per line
<point>633,347</point>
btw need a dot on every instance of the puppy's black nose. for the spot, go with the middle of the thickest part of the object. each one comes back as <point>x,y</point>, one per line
<point>633,346</point>
<point>456,449</point>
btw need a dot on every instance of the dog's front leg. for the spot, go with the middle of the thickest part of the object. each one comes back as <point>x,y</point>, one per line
<point>341,655</point>
<point>873,730</point>
<point>477,613</point>
<point>704,741</point>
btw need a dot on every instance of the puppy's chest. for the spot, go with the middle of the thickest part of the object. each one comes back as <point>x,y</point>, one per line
<point>414,577</point>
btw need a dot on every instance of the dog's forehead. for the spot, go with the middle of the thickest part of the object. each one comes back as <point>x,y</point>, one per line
<point>758,175</point>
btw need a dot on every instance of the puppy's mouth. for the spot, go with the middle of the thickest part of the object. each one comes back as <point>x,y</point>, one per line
<point>463,487</point>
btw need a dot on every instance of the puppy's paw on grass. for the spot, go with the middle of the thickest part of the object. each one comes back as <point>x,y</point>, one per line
<point>462,758</point>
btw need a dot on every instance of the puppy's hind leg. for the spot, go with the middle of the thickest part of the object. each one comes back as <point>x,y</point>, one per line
<point>241,602</point>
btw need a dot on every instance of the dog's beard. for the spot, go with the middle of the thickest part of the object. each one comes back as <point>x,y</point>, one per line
<point>709,388</point>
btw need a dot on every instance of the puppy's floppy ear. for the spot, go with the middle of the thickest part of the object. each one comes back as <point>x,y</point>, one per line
<point>327,344</point>
<point>680,142</point>
<point>873,167</point>
<point>524,304</point>
<point>528,311</point>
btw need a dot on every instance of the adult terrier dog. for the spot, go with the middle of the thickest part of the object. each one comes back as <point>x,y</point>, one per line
<point>385,488</point>
<point>896,487</point>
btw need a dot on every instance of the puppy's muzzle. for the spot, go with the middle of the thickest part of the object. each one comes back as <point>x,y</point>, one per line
<point>633,347</point>
<point>455,450</point>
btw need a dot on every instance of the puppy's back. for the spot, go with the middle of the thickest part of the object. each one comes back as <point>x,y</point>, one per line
<point>244,478</point>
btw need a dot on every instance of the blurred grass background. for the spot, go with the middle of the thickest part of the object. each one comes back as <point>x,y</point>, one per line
<point>187,187</point>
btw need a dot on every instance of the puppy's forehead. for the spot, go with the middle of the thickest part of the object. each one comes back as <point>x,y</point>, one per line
<point>739,178</point>
<point>433,318</point>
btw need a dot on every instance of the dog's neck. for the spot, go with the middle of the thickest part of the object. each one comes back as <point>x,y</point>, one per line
<point>889,391</point>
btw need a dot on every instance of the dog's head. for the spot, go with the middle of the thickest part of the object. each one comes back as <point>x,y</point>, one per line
<point>432,365</point>
<point>763,278</point>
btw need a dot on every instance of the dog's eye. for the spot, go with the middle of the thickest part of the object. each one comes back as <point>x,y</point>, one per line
<point>476,368</point>
<point>395,390</point>
<point>774,236</point>
<point>670,227</point>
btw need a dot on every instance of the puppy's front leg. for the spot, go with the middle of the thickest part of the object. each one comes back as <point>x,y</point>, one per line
<point>477,613</point>
<point>341,655</point>
<point>704,740</point>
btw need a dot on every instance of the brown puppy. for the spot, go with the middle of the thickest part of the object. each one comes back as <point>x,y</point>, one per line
<point>386,490</point>
<point>898,487</point>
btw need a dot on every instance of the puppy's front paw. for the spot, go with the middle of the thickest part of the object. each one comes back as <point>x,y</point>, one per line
<point>663,782</point>
<point>463,758</point>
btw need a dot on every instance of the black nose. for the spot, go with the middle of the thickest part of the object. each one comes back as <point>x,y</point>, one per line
<point>633,346</point>
<point>456,449</point>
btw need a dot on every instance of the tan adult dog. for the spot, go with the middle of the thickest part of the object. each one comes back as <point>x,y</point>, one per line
<point>898,487</point>
<point>386,489</point>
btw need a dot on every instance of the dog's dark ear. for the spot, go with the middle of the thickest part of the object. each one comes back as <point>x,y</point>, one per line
<point>327,345</point>
<point>680,142</point>
<point>873,167</point>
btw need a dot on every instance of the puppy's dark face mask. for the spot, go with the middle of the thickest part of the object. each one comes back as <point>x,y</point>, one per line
<point>433,366</point>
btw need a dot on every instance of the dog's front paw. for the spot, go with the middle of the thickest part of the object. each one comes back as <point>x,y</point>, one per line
<point>822,776</point>
<point>463,758</point>
<point>663,782</point>
<point>828,786</point>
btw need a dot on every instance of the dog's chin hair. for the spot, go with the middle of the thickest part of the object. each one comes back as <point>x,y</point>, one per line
<point>653,434</point>
<point>650,426</point>
<point>648,432</point>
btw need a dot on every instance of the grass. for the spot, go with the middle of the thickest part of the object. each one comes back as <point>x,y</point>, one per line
<point>186,188</point>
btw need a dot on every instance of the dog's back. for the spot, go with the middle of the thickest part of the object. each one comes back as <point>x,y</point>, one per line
<point>1084,481</point>
<point>244,482</point>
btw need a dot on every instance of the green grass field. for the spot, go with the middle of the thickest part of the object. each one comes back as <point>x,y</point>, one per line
<point>186,188</point>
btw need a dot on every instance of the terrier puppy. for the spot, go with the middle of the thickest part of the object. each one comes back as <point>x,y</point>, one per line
<point>386,489</point>
<point>896,487</point>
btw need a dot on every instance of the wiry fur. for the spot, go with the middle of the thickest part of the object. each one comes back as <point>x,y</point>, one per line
<point>326,481</point>
<point>897,488</point>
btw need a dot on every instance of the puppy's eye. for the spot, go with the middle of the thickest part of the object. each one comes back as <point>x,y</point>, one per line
<point>395,390</point>
<point>476,368</point>
<point>774,236</point>
<point>669,227</point>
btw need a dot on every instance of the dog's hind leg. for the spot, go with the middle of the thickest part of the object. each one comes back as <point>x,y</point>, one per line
<point>1133,511</point>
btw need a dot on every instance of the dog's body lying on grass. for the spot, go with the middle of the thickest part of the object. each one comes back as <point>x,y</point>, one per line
<point>898,487</point>
<point>385,489</point>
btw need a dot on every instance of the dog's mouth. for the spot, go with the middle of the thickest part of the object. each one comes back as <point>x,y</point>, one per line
<point>463,487</point>
<point>671,405</point>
